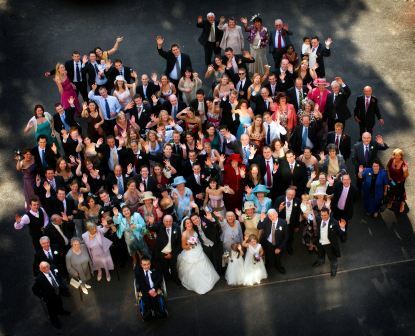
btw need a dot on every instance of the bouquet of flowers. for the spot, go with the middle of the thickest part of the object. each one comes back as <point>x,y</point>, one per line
<point>256,258</point>
<point>226,258</point>
<point>192,241</point>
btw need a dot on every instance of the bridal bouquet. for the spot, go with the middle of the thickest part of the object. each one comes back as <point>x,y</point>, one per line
<point>192,241</point>
<point>256,258</point>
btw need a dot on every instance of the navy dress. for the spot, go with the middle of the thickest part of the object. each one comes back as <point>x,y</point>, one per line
<point>373,188</point>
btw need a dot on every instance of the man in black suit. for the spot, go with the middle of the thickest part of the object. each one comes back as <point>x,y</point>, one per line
<point>141,111</point>
<point>118,69</point>
<point>305,135</point>
<point>344,195</point>
<point>147,88</point>
<point>200,102</point>
<point>169,245</point>
<point>76,72</point>
<point>52,255</point>
<point>210,37</point>
<point>319,52</point>
<point>227,106</point>
<point>149,183</point>
<point>366,151</point>
<point>242,83</point>
<point>197,183</point>
<point>47,287</point>
<point>112,154</point>
<point>173,106</point>
<point>341,140</point>
<point>50,181</point>
<point>288,208</point>
<point>149,282</point>
<point>279,40</point>
<point>44,155</point>
<point>284,75</point>
<point>187,165</point>
<point>117,179</point>
<point>262,102</point>
<point>72,142</point>
<point>176,61</point>
<point>95,75</point>
<point>297,94</point>
<point>328,231</point>
<point>234,62</point>
<point>58,203</point>
<point>336,109</point>
<point>64,119</point>
<point>273,235</point>
<point>366,110</point>
<point>291,173</point>
<point>272,85</point>
<point>208,229</point>
<point>266,163</point>
<point>60,231</point>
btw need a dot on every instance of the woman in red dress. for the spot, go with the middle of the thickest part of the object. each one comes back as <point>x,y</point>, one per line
<point>66,88</point>
<point>233,176</point>
<point>397,172</point>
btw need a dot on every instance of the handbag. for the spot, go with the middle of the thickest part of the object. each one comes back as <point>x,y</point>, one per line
<point>75,283</point>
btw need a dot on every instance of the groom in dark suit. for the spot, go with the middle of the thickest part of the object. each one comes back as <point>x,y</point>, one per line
<point>169,245</point>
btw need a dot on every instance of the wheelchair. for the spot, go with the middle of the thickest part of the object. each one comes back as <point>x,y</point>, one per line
<point>149,313</point>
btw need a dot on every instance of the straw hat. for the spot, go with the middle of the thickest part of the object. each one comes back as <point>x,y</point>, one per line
<point>148,195</point>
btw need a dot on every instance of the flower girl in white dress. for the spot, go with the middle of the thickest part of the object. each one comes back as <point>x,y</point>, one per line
<point>254,264</point>
<point>235,274</point>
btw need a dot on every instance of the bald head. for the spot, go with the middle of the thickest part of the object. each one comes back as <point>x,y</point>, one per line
<point>366,138</point>
<point>168,221</point>
<point>56,219</point>
<point>367,91</point>
<point>44,267</point>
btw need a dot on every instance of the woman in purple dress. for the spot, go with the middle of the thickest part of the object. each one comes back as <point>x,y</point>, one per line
<point>27,166</point>
<point>66,88</point>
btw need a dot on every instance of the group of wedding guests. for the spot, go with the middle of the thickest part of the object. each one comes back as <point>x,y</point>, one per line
<point>203,180</point>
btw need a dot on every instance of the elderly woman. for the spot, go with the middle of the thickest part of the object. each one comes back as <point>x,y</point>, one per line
<point>332,164</point>
<point>257,196</point>
<point>284,113</point>
<point>232,35</point>
<point>249,218</point>
<point>319,94</point>
<point>132,227</point>
<point>374,186</point>
<point>99,249</point>
<point>79,264</point>
<point>231,231</point>
<point>182,197</point>
<point>398,173</point>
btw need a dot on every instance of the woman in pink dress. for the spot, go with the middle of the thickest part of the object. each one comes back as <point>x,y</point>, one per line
<point>284,113</point>
<point>319,94</point>
<point>66,88</point>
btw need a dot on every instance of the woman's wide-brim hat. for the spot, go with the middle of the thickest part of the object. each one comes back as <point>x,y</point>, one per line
<point>260,188</point>
<point>178,180</point>
<point>235,157</point>
<point>120,78</point>
<point>148,195</point>
<point>249,205</point>
<point>321,81</point>
<point>320,191</point>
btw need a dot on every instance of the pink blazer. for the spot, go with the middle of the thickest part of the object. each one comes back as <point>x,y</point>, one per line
<point>291,118</point>
<point>318,98</point>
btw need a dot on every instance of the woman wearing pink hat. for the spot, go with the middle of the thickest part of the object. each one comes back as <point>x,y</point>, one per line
<point>319,94</point>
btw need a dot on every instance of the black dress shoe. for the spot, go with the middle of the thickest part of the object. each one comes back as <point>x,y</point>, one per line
<point>281,270</point>
<point>65,312</point>
<point>317,263</point>
<point>333,271</point>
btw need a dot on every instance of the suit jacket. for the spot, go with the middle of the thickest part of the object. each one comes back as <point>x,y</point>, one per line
<point>137,160</point>
<point>286,38</point>
<point>297,178</point>
<point>144,117</point>
<point>321,52</point>
<point>152,89</point>
<point>195,187</point>
<point>339,107</point>
<point>206,26</point>
<point>367,118</point>
<point>43,289</point>
<point>241,61</point>
<point>111,180</point>
<point>281,232</point>
<point>194,104</point>
<point>272,94</point>
<point>295,210</point>
<point>163,239</point>
<point>104,149</point>
<point>55,237</point>
<point>69,119</point>
<point>296,139</point>
<point>358,154</point>
<point>333,233</point>
<point>261,106</point>
<point>50,158</point>
<point>151,183</point>
<point>292,96</point>
<point>351,196</point>
<point>90,71</point>
<point>112,73</point>
<point>171,61</point>
<point>41,192</point>
<point>58,260</point>
<point>345,146</point>
<point>243,90</point>
<point>288,80</point>
<point>55,206</point>
<point>141,282</point>
<point>168,107</point>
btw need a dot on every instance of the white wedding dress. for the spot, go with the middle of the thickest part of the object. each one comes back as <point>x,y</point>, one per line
<point>254,270</point>
<point>195,270</point>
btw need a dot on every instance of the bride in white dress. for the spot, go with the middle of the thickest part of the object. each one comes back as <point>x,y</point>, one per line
<point>195,270</point>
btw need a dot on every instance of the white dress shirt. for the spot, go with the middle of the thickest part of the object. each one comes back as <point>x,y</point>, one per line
<point>288,209</point>
<point>113,103</point>
<point>150,280</point>
<point>273,228</point>
<point>276,130</point>
<point>324,233</point>
<point>25,220</point>
<point>59,229</point>
<point>175,73</point>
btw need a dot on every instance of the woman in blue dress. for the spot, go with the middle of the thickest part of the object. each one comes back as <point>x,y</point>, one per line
<point>245,117</point>
<point>257,195</point>
<point>182,197</point>
<point>374,186</point>
<point>133,227</point>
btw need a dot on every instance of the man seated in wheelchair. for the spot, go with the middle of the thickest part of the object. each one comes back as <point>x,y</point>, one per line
<point>149,284</point>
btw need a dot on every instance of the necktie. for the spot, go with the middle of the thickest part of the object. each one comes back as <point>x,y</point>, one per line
<point>197,179</point>
<point>223,146</point>
<point>269,134</point>
<point>279,40</point>
<point>121,72</point>
<point>50,256</point>
<point>313,50</point>
<point>147,278</point>
<point>246,155</point>
<point>288,204</point>
<point>273,228</point>
<point>212,33</point>
<point>337,141</point>
<point>366,154</point>
<point>52,278</point>
<point>367,104</point>
<point>267,104</point>
<point>304,138</point>
<point>168,232</point>
<point>268,175</point>
<point>43,158</point>
<point>107,109</point>
<point>96,68</point>
<point>145,91</point>
<point>300,99</point>
<point>174,112</point>
<point>334,98</point>
<point>53,184</point>
<point>145,184</point>
<point>177,148</point>
<point>120,185</point>
<point>292,168</point>
<point>78,73</point>
<point>323,224</point>
<point>139,110</point>
<point>178,69</point>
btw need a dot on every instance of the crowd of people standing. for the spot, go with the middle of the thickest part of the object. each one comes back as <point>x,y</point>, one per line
<point>200,175</point>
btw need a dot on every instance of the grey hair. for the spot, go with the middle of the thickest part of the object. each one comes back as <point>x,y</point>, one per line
<point>334,83</point>
<point>90,225</point>
<point>278,21</point>
<point>75,239</point>
<point>44,238</point>
<point>270,211</point>
<point>210,14</point>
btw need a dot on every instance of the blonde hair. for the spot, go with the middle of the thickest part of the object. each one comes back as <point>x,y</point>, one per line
<point>57,69</point>
<point>398,151</point>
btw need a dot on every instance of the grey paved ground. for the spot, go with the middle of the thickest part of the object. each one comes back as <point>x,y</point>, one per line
<point>374,43</point>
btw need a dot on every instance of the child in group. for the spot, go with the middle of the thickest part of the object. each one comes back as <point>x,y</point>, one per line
<point>254,264</point>
<point>235,273</point>
<point>306,47</point>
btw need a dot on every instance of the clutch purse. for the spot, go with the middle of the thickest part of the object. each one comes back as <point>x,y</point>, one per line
<point>75,283</point>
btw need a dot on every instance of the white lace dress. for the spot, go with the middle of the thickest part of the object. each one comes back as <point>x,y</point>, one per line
<point>235,272</point>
